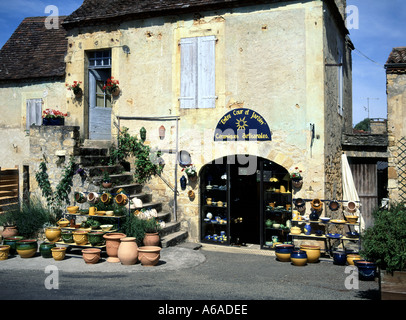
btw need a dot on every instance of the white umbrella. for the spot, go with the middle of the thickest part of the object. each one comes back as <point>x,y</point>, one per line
<point>349,191</point>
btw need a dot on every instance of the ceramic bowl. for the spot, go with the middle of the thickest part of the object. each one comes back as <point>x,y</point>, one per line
<point>101,213</point>
<point>352,219</point>
<point>276,225</point>
<point>106,227</point>
<point>352,234</point>
<point>283,251</point>
<point>351,257</point>
<point>334,235</point>
<point>72,209</point>
<point>109,213</point>
<point>324,219</point>
<point>298,258</point>
<point>295,230</point>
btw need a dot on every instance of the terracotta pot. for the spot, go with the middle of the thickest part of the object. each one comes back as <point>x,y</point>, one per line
<point>53,234</point>
<point>151,239</point>
<point>4,252</point>
<point>313,253</point>
<point>80,237</point>
<point>9,232</point>
<point>128,251</point>
<point>112,245</point>
<point>91,255</point>
<point>107,184</point>
<point>149,255</point>
<point>58,253</point>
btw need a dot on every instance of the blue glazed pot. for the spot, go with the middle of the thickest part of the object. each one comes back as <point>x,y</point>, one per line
<point>298,257</point>
<point>283,251</point>
<point>366,270</point>
<point>340,258</point>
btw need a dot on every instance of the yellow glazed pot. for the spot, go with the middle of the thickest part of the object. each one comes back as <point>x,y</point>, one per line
<point>63,222</point>
<point>53,234</point>
<point>80,237</point>
<point>351,257</point>
<point>58,253</point>
<point>4,251</point>
<point>313,253</point>
<point>352,219</point>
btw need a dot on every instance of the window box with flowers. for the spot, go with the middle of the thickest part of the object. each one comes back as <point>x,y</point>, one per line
<point>53,117</point>
<point>75,87</point>
<point>112,86</point>
<point>297,179</point>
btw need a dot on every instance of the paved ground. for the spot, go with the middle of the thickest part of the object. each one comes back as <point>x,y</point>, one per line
<point>213,273</point>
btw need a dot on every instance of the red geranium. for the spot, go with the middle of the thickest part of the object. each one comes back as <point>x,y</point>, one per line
<point>111,84</point>
<point>52,114</point>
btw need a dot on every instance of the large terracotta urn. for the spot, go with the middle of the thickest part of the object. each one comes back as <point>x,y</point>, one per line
<point>10,231</point>
<point>112,245</point>
<point>128,251</point>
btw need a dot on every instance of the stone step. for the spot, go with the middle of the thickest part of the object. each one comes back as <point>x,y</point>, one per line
<point>144,197</point>
<point>93,171</point>
<point>116,179</point>
<point>170,227</point>
<point>164,216</point>
<point>173,239</point>
<point>129,188</point>
<point>97,144</point>
<point>152,205</point>
<point>91,151</point>
<point>93,160</point>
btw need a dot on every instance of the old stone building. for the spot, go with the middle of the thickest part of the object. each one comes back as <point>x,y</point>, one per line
<point>209,72</point>
<point>396,93</point>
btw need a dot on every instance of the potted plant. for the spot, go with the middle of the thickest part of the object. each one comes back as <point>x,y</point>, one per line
<point>52,117</point>
<point>106,180</point>
<point>297,179</point>
<point>384,243</point>
<point>191,172</point>
<point>151,229</point>
<point>112,86</point>
<point>75,87</point>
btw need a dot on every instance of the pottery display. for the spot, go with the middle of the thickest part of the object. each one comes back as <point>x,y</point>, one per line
<point>106,198</point>
<point>106,227</point>
<point>351,257</point>
<point>67,236</point>
<point>53,234</point>
<point>12,242</point>
<point>334,205</point>
<point>9,232</point>
<point>151,239</point>
<point>91,255</point>
<point>307,229</point>
<point>128,251</point>
<point>351,207</point>
<point>298,258</point>
<point>313,252</point>
<point>112,245</point>
<point>316,204</point>
<point>80,197</point>
<point>95,238</point>
<point>314,216</point>
<point>58,253</point>
<point>45,249</point>
<point>295,230</point>
<point>92,211</point>
<point>4,251</point>
<point>92,197</point>
<point>339,258</point>
<point>80,237</point>
<point>324,219</point>
<point>27,248</point>
<point>366,270</point>
<point>149,255</point>
<point>283,251</point>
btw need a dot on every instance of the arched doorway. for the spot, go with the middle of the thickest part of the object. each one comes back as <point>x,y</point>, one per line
<point>235,194</point>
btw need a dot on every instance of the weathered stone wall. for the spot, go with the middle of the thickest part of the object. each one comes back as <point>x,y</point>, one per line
<point>396,93</point>
<point>54,145</point>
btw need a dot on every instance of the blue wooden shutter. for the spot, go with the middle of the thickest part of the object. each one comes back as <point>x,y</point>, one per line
<point>188,73</point>
<point>206,94</point>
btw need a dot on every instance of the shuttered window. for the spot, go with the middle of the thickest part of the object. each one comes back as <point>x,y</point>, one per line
<point>34,112</point>
<point>197,78</point>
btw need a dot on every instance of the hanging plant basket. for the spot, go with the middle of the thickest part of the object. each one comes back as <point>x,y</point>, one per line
<point>297,183</point>
<point>115,92</point>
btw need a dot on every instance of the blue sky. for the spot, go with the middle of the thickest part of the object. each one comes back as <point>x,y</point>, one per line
<point>381,28</point>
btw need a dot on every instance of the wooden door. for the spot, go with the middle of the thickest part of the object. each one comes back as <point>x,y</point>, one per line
<point>365,177</point>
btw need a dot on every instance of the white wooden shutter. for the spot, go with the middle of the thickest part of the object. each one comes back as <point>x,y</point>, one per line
<point>340,84</point>
<point>33,112</point>
<point>206,72</point>
<point>188,73</point>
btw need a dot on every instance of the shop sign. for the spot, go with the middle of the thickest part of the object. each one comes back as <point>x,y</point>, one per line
<point>242,125</point>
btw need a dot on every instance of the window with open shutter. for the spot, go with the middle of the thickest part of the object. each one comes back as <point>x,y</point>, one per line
<point>197,79</point>
<point>34,112</point>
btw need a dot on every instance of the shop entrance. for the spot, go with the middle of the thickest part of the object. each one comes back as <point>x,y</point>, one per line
<point>234,196</point>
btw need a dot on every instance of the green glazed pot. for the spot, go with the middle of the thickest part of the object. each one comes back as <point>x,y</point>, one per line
<point>27,248</point>
<point>96,238</point>
<point>45,249</point>
<point>67,236</point>
<point>12,242</point>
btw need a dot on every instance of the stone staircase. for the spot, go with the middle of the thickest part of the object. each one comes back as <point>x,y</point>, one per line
<point>8,189</point>
<point>95,160</point>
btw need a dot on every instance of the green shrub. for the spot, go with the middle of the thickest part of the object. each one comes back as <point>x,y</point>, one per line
<point>385,242</point>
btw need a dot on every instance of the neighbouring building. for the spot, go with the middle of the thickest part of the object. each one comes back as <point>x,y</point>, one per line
<point>253,89</point>
<point>396,92</point>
